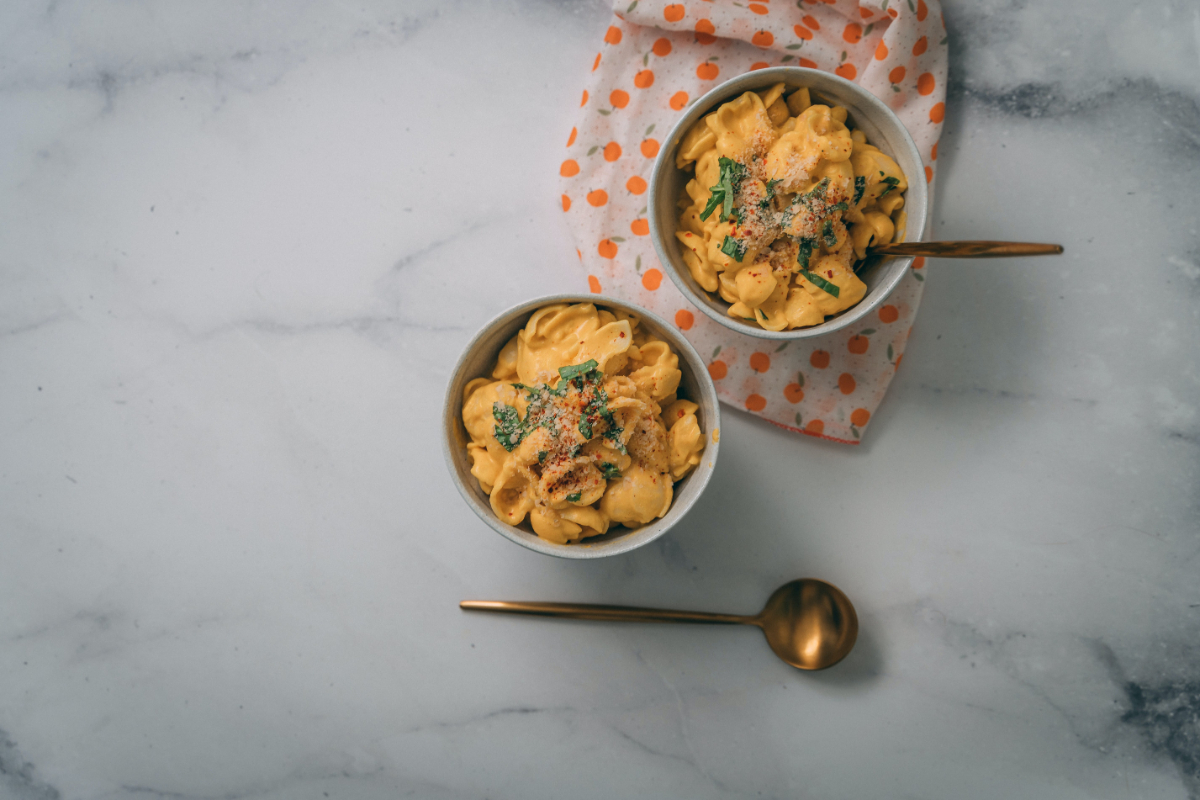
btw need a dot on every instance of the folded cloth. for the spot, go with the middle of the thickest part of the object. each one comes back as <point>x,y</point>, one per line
<point>658,57</point>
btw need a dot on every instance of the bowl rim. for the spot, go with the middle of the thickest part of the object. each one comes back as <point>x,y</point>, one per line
<point>635,538</point>
<point>749,81</point>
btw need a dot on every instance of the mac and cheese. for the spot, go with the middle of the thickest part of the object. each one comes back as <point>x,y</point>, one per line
<point>784,203</point>
<point>580,425</point>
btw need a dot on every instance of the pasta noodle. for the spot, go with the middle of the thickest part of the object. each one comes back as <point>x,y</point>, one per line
<point>580,426</point>
<point>784,202</point>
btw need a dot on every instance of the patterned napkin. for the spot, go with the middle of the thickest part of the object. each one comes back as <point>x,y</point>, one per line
<point>657,57</point>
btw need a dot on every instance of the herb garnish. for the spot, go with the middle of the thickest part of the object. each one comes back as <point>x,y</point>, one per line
<point>579,369</point>
<point>574,497</point>
<point>820,282</point>
<point>585,423</point>
<point>732,174</point>
<point>510,430</point>
<point>817,202</point>
<point>827,234</point>
<point>804,255</point>
<point>765,203</point>
<point>733,248</point>
<point>609,470</point>
<point>541,413</point>
<point>816,193</point>
<point>860,187</point>
<point>613,434</point>
<point>892,184</point>
<point>547,410</point>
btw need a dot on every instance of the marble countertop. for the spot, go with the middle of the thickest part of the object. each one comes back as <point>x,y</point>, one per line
<point>242,245</point>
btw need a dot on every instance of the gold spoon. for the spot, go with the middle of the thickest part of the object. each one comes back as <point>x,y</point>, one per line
<point>810,624</point>
<point>967,249</point>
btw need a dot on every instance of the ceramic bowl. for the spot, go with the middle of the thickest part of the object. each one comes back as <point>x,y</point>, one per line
<point>866,113</point>
<point>478,359</point>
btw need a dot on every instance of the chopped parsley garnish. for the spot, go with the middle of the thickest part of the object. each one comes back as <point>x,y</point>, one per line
<point>820,282</point>
<point>574,497</point>
<point>816,193</point>
<point>733,248</point>
<point>596,409</point>
<point>613,431</point>
<point>579,369</point>
<point>764,314</point>
<point>732,174</point>
<point>817,201</point>
<point>545,412</point>
<point>580,401</point>
<point>510,430</point>
<point>827,234</point>
<point>714,202</point>
<point>804,255</point>
<point>609,470</point>
<point>892,184</point>
<point>533,392</point>
<point>860,187</point>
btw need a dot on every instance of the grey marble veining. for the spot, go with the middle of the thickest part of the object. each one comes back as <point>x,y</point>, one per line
<point>242,245</point>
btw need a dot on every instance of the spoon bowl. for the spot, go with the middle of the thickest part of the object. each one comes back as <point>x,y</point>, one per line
<point>808,623</point>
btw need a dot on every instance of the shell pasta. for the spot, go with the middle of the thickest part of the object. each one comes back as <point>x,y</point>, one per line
<point>784,202</point>
<point>580,426</point>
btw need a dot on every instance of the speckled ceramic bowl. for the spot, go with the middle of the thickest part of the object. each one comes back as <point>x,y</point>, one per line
<point>868,114</point>
<point>478,359</point>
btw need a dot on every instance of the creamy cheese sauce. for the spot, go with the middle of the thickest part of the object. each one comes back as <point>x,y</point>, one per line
<point>580,426</point>
<point>785,201</point>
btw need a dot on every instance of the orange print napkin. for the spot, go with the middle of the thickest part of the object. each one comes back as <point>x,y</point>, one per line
<point>658,57</point>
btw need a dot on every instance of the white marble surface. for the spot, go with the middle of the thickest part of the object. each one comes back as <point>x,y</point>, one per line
<point>242,243</point>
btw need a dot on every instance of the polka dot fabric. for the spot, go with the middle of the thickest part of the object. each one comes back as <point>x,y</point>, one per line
<point>657,58</point>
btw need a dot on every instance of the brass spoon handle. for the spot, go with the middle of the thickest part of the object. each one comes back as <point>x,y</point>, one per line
<point>603,613</point>
<point>968,249</point>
